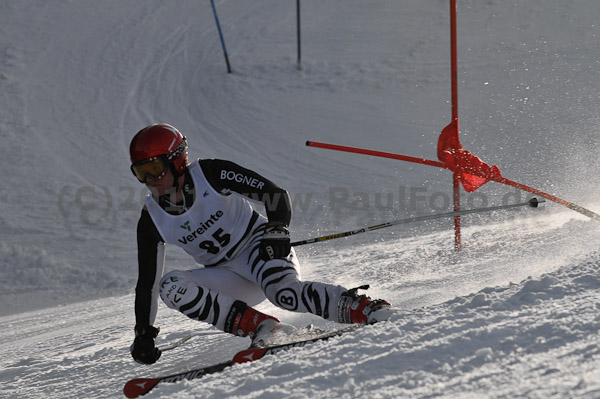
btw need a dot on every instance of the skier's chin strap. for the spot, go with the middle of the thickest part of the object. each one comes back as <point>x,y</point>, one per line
<point>174,208</point>
<point>176,176</point>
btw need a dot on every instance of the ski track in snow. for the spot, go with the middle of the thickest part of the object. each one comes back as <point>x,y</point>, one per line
<point>513,315</point>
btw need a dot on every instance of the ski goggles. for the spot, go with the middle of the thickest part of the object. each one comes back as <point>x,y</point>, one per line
<point>153,168</point>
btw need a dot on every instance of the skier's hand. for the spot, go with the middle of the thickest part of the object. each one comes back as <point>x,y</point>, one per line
<point>144,350</point>
<point>275,243</point>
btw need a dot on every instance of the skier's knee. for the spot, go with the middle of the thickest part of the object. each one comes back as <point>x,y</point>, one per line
<point>173,288</point>
<point>285,296</point>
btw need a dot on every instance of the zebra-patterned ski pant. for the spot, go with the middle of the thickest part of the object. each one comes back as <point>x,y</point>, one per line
<point>207,294</point>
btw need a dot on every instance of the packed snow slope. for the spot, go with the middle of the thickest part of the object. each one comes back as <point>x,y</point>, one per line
<point>512,315</point>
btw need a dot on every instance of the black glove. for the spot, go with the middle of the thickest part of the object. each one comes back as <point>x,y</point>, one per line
<point>144,350</point>
<point>275,243</point>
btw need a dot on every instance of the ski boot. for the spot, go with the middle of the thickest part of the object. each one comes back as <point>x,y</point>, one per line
<point>360,309</point>
<point>271,332</point>
<point>264,330</point>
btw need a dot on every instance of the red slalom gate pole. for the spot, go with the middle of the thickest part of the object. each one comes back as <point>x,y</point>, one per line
<point>456,192</point>
<point>453,59</point>
<point>423,161</point>
<point>454,73</point>
<point>379,154</point>
<point>550,197</point>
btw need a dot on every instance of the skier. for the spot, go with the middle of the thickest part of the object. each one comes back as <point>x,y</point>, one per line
<point>203,208</point>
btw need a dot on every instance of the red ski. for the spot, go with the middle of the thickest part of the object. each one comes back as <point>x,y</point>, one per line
<point>141,386</point>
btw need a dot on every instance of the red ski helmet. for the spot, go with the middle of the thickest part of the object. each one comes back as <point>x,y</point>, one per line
<point>155,145</point>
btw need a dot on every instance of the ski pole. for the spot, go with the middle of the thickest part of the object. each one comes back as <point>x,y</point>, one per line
<point>212,2</point>
<point>168,347</point>
<point>534,202</point>
<point>298,34</point>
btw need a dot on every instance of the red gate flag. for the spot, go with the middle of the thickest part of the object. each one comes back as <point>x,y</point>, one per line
<point>472,171</point>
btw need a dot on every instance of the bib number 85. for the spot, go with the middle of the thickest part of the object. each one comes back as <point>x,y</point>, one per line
<point>220,239</point>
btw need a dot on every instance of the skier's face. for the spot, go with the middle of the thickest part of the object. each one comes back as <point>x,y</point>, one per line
<point>159,187</point>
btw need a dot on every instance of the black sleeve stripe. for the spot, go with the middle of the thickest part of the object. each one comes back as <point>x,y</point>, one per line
<point>246,233</point>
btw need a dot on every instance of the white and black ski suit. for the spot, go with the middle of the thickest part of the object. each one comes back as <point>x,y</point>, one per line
<point>218,227</point>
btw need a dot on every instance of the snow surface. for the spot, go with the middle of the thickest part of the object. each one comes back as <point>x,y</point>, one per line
<point>513,315</point>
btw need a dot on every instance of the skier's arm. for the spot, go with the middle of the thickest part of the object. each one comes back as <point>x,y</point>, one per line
<point>229,176</point>
<point>151,256</point>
